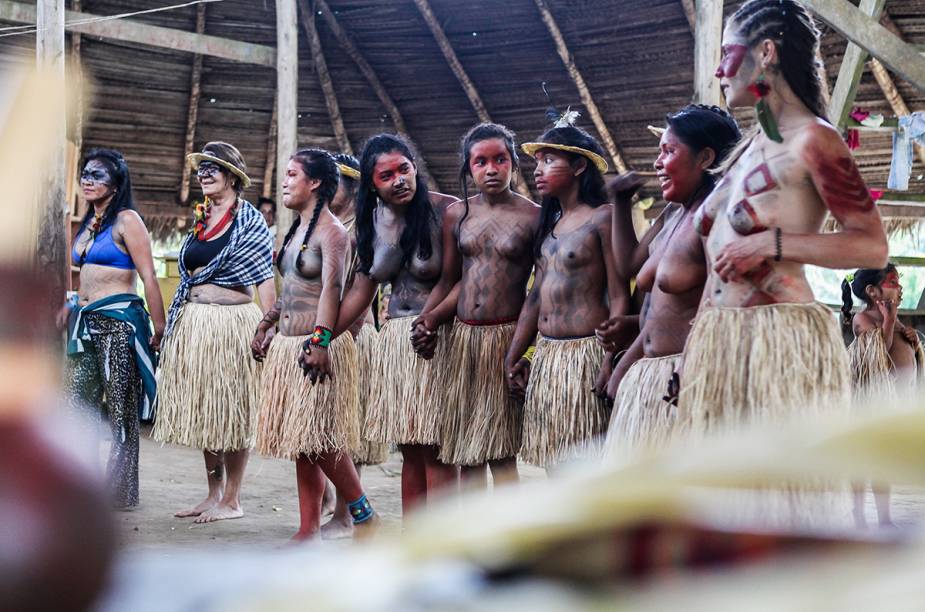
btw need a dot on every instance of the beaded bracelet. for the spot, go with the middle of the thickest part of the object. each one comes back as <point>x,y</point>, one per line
<point>321,338</point>
<point>529,354</point>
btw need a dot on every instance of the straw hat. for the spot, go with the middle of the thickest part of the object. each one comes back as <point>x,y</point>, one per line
<point>348,171</point>
<point>532,147</point>
<point>194,159</point>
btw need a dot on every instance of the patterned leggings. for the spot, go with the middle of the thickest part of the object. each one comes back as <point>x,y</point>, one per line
<point>107,367</point>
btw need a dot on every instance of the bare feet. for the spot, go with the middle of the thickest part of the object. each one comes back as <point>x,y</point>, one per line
<point>302,537</point>
<point>221,512</point>
<point>367,529</point>
<point>337,528</point>
<point>206,504</point>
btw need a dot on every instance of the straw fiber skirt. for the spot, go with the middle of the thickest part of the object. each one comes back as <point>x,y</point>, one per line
<point>298,418</point>
<point>367,452</point>
<point>563,418</point>
<point>481,422</point>
<point>208,384</point>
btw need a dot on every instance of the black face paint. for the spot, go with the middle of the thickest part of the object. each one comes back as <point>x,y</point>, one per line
<point>208,168</point>
<point>96,173</point>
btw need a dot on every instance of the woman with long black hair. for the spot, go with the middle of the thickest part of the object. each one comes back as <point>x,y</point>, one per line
<point>110,344</point>
<point>399,242</point>
<point>576,288</point>
<point>309,413</point>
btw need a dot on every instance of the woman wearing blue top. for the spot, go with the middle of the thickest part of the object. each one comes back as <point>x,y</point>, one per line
<point>110,345</point>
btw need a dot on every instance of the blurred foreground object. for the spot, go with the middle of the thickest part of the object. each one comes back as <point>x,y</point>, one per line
<point>56,537</point>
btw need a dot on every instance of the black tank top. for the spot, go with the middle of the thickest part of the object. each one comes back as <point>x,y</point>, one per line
<point>200,253</point>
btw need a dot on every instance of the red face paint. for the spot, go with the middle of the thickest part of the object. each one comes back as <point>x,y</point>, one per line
<point>891,281</point>
<point>733,56</point>
<point>394,178</point>
<point>490,165</point>
<point>676,169</point>
<point>554,174</point>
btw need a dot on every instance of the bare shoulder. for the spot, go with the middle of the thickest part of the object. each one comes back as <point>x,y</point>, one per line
<point>603,214</point>
<point>130,221</point>
<point>863,322</point>
<point>454,210</point>
<point>441,201</point>
<point>333,232</point>
<point>820,139</point>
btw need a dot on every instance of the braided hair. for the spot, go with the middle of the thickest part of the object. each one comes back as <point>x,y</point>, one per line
<point>479,133</point>
<point>789,25</point>
<point>420,218</point>
<point>862,278</point>
<point>316,164</point>
<point>591,182</point>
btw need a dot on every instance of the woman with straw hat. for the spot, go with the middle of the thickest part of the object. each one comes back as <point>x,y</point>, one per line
<point>576,288</point>
<point>207,383</point>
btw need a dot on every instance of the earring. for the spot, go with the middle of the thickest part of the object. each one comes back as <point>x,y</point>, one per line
<point>761,89</point>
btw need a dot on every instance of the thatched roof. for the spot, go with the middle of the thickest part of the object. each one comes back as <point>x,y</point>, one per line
<point>635,55</point>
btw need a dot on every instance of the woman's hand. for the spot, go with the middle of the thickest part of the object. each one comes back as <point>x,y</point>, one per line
<point>155,341</point>
<point>613,385</point>
<point>624,187</point>
<point>614,333</point>
<point>888,309</point>
<point>424,336</point>
<point>261,341</point>
<point>62,316</point>
<point>911,336</point>
<point>518,375</point>
<point>603,378</point>
<point>316,364</point>
<point>743,255</point>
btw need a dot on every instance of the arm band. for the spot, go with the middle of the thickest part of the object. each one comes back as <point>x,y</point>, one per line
<point>529,354</point>
<point>321,338</point>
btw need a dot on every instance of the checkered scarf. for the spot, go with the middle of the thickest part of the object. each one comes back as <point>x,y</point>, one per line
<point>246,260</point>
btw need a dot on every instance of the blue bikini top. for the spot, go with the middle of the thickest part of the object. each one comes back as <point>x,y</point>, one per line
<point>104,252</point>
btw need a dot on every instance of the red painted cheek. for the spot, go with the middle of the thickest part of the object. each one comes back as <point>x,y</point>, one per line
<point>556,179</point>
<point>732,61</point>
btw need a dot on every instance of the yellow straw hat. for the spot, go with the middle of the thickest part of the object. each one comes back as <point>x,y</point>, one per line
<point>532,147</point>
<point>194,159</point>
<point>348,171</point>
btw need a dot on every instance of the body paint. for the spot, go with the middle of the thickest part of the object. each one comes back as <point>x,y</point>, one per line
<point>839,183</point>
<point>733,56</point>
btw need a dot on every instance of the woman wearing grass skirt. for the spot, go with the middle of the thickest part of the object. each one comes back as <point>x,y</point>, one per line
<point>487,248</point>
<point>207,382</point>
<point>761,349</point>
<point>309,411</point>
<point>399,242</point>
<point>669,265</point>
<point>576,288</point>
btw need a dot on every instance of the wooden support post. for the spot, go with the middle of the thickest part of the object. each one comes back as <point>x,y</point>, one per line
<point>373,79</point>
<point>708,38</point>
<point>462,76</point>
<point>852,67</point>
<point>271,154</point>
<point>51,249</point>
<point>608,141</point>
<point>193,110</point>
<point>324,77</point>
<point>129,30</point>
<point>849,21</point>
<point>75,79</point>
<point>690,11</point>
<point>287,88</point>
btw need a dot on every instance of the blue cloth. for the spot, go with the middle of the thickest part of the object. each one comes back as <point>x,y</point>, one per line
<point>911,129</point>
<point>104,252</point>
<point>246,260</point>
<point>129,308</point>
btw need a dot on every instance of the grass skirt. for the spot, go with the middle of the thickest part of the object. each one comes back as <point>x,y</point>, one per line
<point>408,404</point>
<point>208,385</point>
<point>298,418</point>
<point>563,418</point>
<point>871,370</point>
<point>480,422</point>
<point>366,452</point>
<point>762,365</point>
<point>641,418</point>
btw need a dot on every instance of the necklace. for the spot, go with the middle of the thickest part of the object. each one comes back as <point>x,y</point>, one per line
<point>92,232</point>
<point>202,213</point>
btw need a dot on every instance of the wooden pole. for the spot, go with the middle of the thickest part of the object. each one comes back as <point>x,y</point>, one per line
<point>51,248</point>
<point>608,141</point>
<point>76,78</point>
<point>481,111</point>
<point>193,110</point>
<point>287,89</point>
<point>690,12</point>
<point>373,79</point>
<point>708,36</point>
<point>852,67</point>
<point>271,154</point>
<point>324,77</point>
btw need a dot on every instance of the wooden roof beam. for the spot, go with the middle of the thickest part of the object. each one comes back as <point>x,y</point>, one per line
<point>128,30</point>
<point>193,110</point>
<point>609,144</point>
<point>372,78</point>
<point>852,67</point>
<point>863,30</point>
<point>324,77</point>
<point>462,76</point>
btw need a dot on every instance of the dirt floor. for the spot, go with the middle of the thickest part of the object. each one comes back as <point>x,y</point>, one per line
<point>173,477</point>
